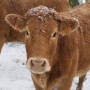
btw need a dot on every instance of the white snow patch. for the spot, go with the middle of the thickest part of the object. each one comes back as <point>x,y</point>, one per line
<point>82,1</point>
<point>13,72</point>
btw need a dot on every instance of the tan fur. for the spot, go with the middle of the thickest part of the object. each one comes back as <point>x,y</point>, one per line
<point>68,54</point>
<point>83,17</point>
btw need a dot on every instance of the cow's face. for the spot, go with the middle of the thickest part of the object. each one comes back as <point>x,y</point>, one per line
<point>41,42</point>
<point>42,34</point>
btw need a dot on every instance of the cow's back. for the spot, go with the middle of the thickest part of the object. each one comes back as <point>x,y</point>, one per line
<point>83,16</point>
<point>22,6</point>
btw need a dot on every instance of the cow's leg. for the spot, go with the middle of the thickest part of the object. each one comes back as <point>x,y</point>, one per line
<point>80,83</point>
<point>2,41</point>
<point>0,47</point>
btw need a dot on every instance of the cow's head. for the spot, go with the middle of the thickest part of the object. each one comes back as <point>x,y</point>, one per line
<point>42,27</point>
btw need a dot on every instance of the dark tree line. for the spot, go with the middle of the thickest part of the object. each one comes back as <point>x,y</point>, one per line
<point>73,3</point>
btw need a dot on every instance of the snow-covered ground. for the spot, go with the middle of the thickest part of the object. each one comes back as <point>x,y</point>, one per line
<point>13,72</point>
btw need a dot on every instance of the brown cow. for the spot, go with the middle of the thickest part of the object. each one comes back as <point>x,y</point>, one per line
<point>57,45</point>
<point>21,7</point>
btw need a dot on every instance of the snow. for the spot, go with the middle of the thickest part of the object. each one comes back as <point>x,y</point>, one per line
<point>82,1</point>
<point>40,11</point>
<point>13,72</point>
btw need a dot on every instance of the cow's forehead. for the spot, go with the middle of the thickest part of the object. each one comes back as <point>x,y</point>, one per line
<point>47,25</point>
<point>41,19</point>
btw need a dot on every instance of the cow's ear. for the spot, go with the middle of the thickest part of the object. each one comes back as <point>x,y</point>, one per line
<point>16,21</point>
<point>67,24</point>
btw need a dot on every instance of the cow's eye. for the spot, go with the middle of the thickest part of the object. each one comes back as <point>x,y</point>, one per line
<point>27,33</point>
<point>54,34</point>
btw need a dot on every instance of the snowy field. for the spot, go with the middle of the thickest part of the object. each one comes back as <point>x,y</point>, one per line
<point>13,72</point>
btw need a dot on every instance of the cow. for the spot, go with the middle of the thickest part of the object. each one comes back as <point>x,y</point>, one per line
<point>21,7</point>
<point>57,44</point>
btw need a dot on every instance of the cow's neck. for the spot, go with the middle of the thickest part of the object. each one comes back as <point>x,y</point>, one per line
<point>41,79</point>
<point>47,81</point>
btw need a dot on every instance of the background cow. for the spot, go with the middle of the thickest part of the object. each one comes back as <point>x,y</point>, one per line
<point>21,7</point>
<point>57,45</point>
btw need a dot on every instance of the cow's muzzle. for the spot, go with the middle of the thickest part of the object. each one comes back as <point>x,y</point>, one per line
<point>38,65</point>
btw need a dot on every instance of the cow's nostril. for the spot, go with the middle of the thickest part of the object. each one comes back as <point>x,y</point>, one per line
<point>43,64</point>
<point>32,64</point>
<point>37,63</point>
